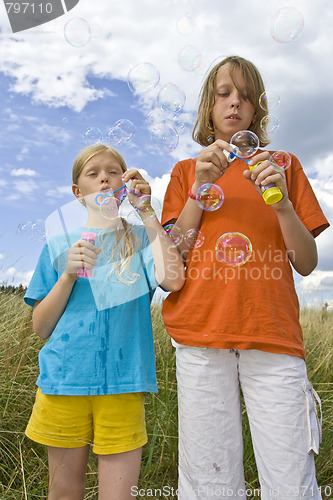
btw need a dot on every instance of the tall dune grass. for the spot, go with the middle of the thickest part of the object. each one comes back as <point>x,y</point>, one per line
<point>23,464</point>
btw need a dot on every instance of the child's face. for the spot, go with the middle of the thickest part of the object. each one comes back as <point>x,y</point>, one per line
<point>100,174</point>
<point>232,111</point>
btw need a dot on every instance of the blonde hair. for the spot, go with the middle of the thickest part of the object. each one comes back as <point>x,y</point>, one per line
<point>203,130</point>
<point>125,245</point>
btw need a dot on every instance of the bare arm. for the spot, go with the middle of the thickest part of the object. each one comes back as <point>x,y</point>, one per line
<point>300,243</point>
<point>47,313</point>
<point>169,268</point>
<point>211,164</point>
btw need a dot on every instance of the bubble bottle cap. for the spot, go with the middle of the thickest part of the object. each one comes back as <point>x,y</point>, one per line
<point>88,236</point>
<point>272,195</point>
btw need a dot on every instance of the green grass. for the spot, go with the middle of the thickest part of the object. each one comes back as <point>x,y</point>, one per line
<point>23,464</point>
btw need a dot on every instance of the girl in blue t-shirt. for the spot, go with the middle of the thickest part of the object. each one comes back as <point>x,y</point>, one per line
<point>91,299</point>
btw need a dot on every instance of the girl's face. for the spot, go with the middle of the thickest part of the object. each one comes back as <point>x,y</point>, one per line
<point>100,174</point>
<point>232,111</point>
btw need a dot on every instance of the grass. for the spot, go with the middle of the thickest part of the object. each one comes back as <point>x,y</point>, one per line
<point>23,464</point>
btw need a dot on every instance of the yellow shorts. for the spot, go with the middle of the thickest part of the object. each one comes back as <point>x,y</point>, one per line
<point>114,423</point>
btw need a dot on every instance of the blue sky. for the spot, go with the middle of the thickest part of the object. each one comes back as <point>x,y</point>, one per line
<point>52,92</point>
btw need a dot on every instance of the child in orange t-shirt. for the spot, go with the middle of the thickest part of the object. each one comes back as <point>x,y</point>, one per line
<point>238,326</point>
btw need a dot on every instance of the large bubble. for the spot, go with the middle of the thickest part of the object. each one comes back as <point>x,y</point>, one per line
<point>281,158</point>
<point>194,238</point>
<point>287,24</point>
<point>185,25</point>
<point>77,32</point>
<point>246,142</point>
<point>171,98</point>
<point>209,197</point>
<point>121,132</point>
<point>164,137</point>
<point>174,235</point>
<point>143,77</point>
<point>269,100</point>
<point>189,58</point>
<point>233,249</point>
<point>269,123</point>
<point>93,135</point>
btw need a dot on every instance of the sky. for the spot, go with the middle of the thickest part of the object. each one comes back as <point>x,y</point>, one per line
<point>76,73</point>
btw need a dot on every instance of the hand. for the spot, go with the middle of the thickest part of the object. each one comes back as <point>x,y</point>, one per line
<point>267,173</point>
<point>211,163</point>
<point>139,194</point>
<point>81,254</point>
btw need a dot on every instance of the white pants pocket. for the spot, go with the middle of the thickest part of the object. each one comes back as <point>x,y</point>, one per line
<point>314,424</point>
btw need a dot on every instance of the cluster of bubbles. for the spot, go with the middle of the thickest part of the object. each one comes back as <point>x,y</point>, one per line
<point>121,132</point>
<point>232,249</point>
<point>116,204</point>
<point>164,129</point>
<point>269,101</point>
<point>32,230</point>
<point>287,24</point>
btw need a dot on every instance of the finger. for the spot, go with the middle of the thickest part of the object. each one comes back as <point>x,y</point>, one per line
<point>259,157</point>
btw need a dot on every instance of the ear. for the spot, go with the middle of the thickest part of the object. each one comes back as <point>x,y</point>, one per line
<point>254,118</point>
<point>76,191</point>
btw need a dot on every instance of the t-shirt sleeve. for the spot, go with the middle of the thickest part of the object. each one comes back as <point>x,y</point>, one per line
<point>304,200</point>
<point>175,198</point>
<point>43,279</point>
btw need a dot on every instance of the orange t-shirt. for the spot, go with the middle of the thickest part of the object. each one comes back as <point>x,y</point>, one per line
<point>250,306</point>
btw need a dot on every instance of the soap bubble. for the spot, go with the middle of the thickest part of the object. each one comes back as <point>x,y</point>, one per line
<point>171,98</point>
<point>175,238</point>
<point>194,238</point>
<point>33,230</point>
<point>189,58</point>
<point>270,123</point>
<point>164,137</point>
<point>287,24</point>
<point>121,132</point>
<point>143,77</point>
<point>93,135</point>
<point>144,207</point>
<point>269,100</point>
<point>109,208</point>
<point>185,25</point>
<point>282,159</point>
<point>178,123</point>
<point>233,249</point>
<point>247,143</point>
<point>77,32</point>
<point>209,197</point>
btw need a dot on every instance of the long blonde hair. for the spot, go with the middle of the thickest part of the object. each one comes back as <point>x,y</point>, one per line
<point>203,130</point>
<point>125,245</point>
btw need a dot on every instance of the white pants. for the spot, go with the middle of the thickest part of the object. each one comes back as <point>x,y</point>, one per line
<point>283,420</point>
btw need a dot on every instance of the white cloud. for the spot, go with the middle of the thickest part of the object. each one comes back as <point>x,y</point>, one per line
<point>28,172</point>
<point>11,276</point>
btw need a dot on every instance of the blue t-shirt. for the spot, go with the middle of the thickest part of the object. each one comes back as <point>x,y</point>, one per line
<point>103,342</point>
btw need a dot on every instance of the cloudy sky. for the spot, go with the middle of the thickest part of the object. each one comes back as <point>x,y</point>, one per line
<point>77,73</point>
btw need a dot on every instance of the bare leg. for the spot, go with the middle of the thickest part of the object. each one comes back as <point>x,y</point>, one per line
<point>117,474</point>
<point>67,472</point>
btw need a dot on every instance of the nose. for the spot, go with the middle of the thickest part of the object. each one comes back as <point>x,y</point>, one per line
<point>235,100</point>
<point>104,178</point>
